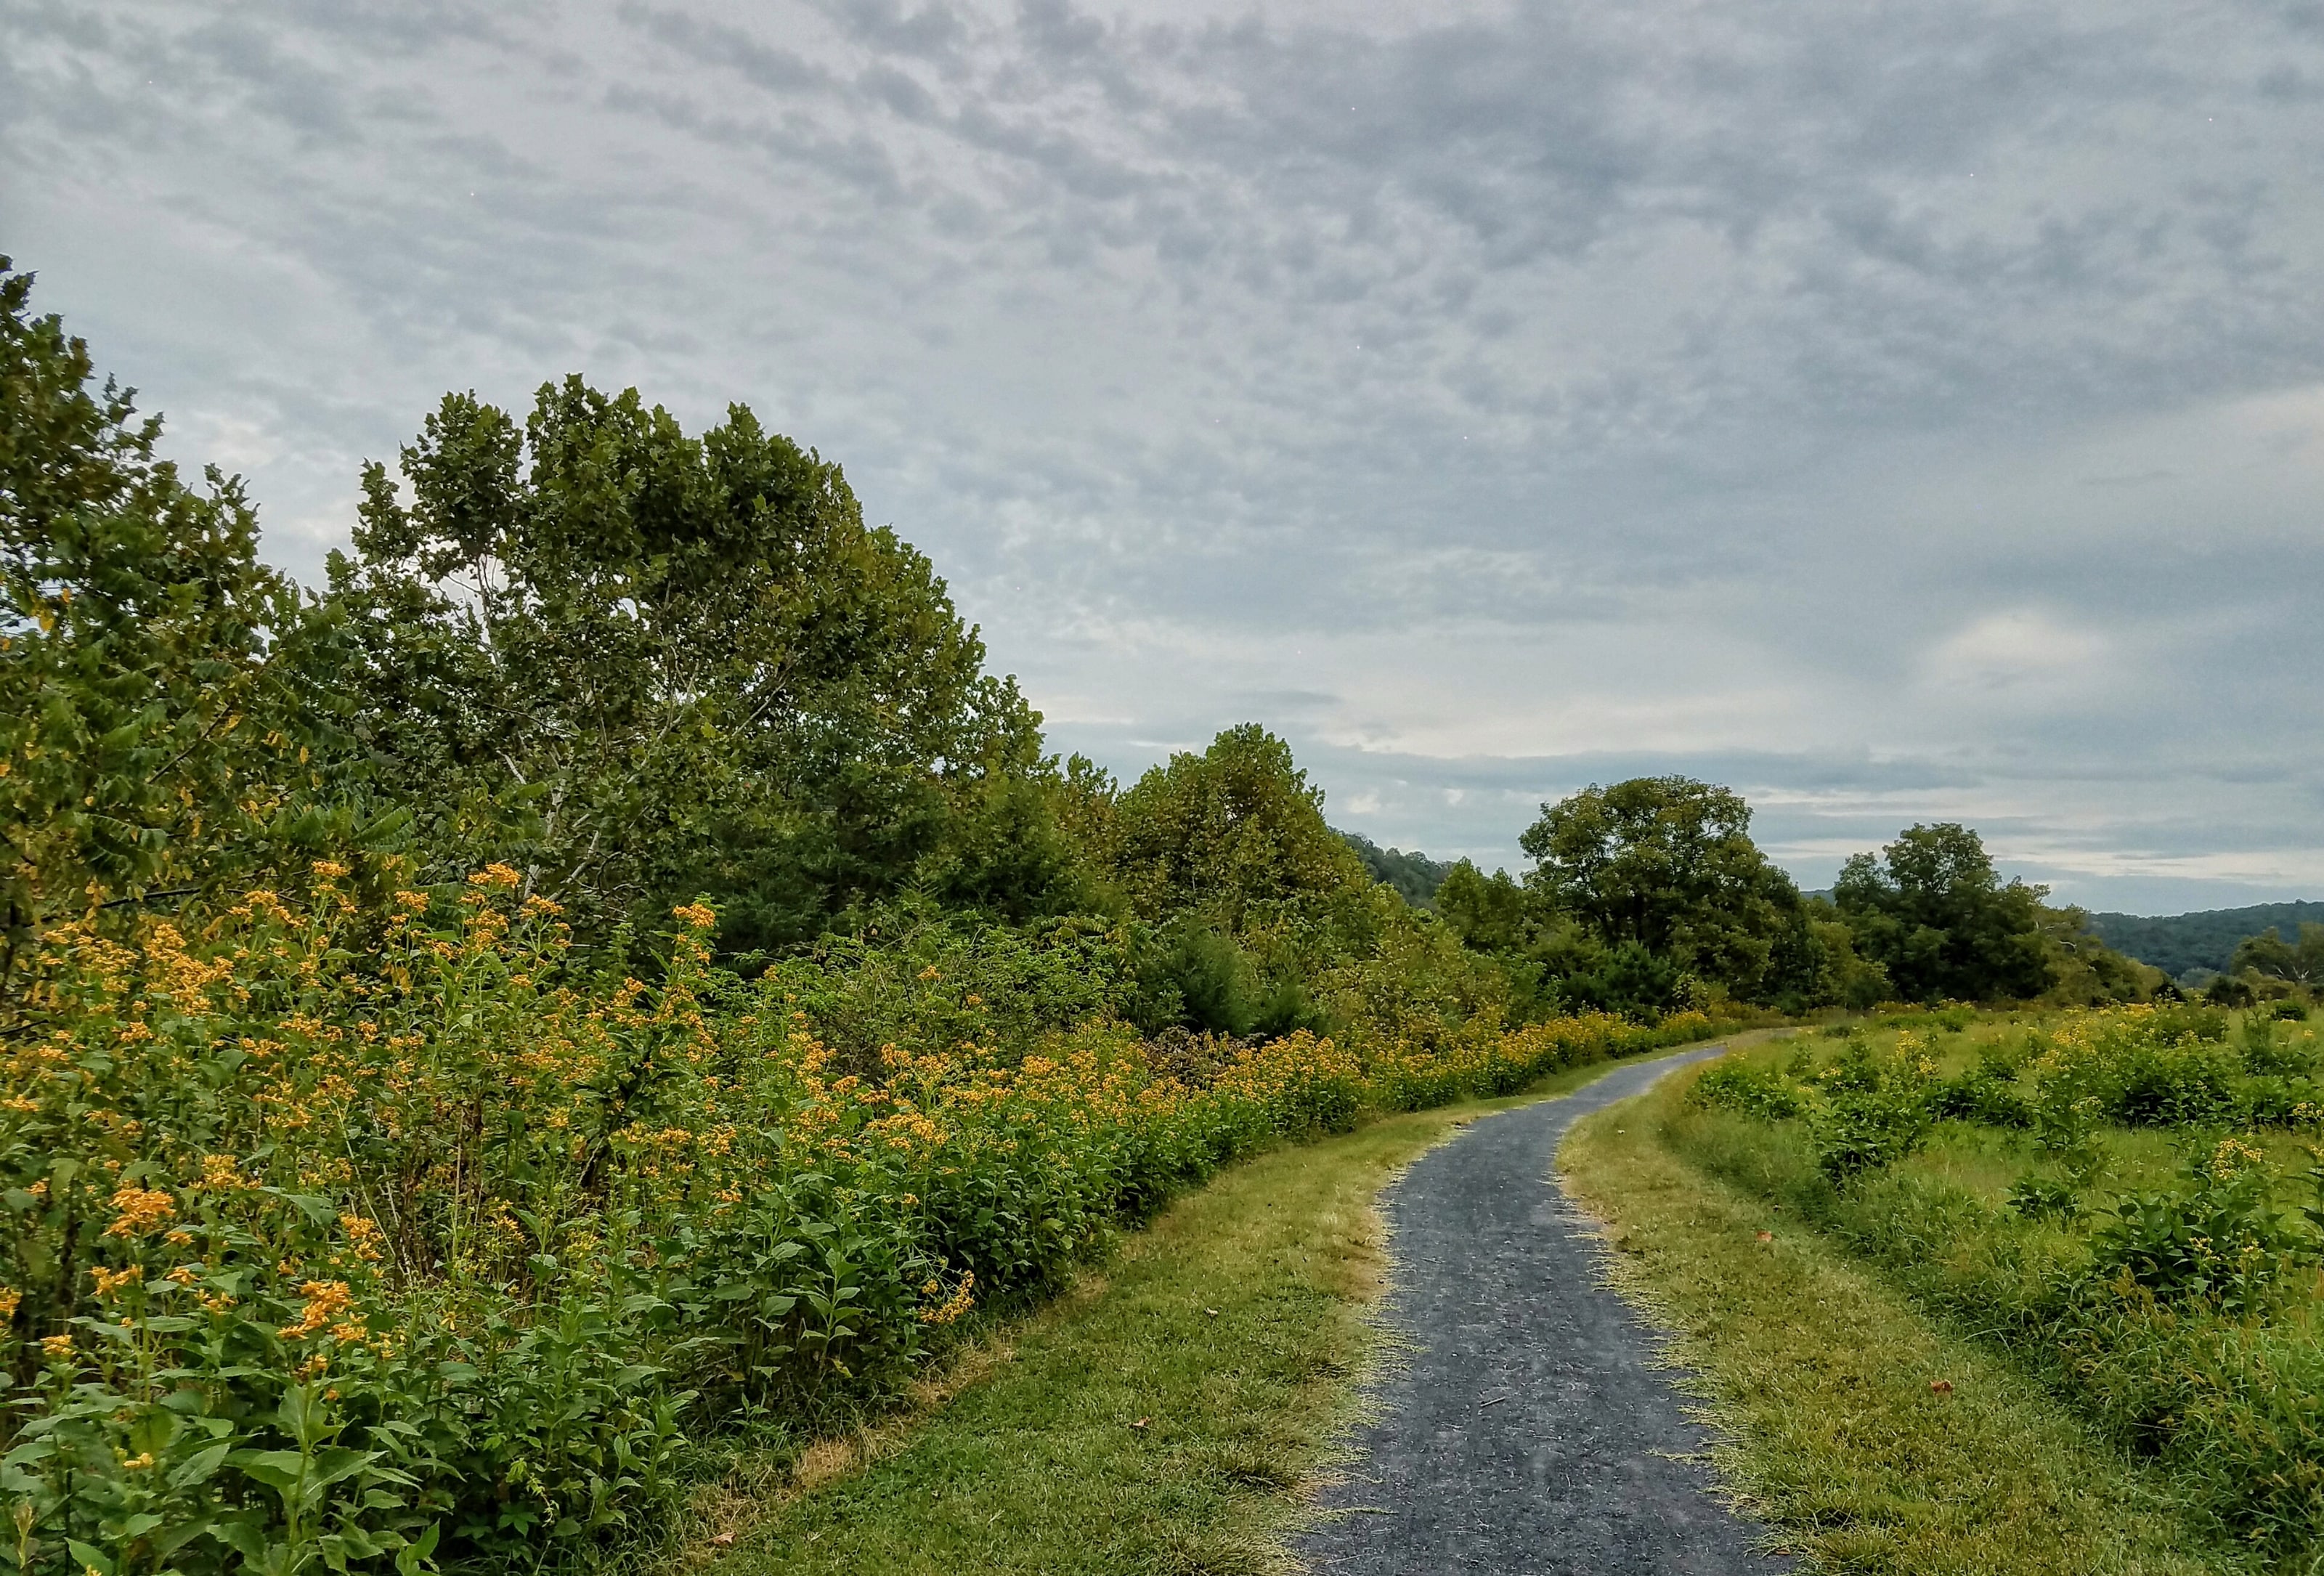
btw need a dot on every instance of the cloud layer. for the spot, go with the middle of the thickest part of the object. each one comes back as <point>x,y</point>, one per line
<point>1896,411</point>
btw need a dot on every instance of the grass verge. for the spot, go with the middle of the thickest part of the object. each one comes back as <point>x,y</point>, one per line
<point>1872,1440</point>
<point>1154,1421</point>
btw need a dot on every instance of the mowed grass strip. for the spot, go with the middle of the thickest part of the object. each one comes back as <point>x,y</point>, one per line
<point>1156,1420</point>
<point>1871,1440</point>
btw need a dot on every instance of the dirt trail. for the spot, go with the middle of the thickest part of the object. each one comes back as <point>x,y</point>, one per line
<point>1531,1432</point>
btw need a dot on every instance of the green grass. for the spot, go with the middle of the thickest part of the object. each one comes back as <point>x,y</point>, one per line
<point>1233,1330</point>
<point>1819,1376</point>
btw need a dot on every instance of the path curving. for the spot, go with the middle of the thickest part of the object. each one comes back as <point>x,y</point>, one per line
<point>1532,1433</point>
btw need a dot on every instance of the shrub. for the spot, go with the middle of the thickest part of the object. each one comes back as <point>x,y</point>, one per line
<point>321,1251</point>
<point>2281,1102</point>
<point>2218,1238</point>
<point>2266,1054</point>
<point>1852,1071</point>
<point>2137,1066</point>
<point>1987,1093</point>
<point>1864,1130</point>
<point>1738,1085</point>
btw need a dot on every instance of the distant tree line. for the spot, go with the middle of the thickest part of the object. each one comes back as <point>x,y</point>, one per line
<point>2191,948</point>
<point>641,668</point>
<point>1415,876</point>
<point>1648,893</point>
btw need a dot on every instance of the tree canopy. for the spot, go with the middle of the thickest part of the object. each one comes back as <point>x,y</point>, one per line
<point>1235,828</point>
<point>2300,962</point>
<point>166,707</point>
<point>1931,909</point>
<point>1667,864</point>
<point>643,666</point>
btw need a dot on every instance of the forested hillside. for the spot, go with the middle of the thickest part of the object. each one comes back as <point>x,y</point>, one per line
<point>1415,876</point>
<point>2182,944</point>
<point>612,967</point>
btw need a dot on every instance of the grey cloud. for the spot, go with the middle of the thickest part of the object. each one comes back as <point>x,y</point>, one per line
<point>1932,400</point>
<point>732,48</point>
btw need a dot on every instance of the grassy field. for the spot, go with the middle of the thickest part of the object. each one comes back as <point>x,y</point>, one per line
<point>1868,1426</point>
<point>1155,1420</point>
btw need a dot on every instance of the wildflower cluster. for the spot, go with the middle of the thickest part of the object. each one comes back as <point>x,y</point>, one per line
<point>392,1207</point>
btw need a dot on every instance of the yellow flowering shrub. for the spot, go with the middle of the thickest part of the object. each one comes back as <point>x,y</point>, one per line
<point>361,1238</point>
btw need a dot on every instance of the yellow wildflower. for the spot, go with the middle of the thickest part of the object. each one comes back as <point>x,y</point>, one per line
<point>141,1210</point>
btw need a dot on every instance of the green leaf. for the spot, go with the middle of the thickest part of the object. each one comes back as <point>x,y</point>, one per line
<point>280,1470</point>
<point>333,1465</point>
<point>89,1557</point>
<point>200,1467</point>
<point>414,1556</point>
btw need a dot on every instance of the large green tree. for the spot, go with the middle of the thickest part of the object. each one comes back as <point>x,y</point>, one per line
<point>164,696</point>
<point>1931,909</point>
<point>1667,864</point>
<point>1231,833</point>
<point>642,665</point>
<point>2300,962</point>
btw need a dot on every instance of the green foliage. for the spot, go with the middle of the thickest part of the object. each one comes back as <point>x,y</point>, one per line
<point>1667,864</point>
<point>2297,963</point>
<point>2218,1238</point>
<point>1742,1086</point>
<point>1234,835</point>
<point>1987,1093</point>
<point>2265,1051</point>
<point>1868,1129</point>
<point>1932,912</point>
<point>2194,944</point>
<point>1491,914</point>
<point>363,1207</point>
<point>2161,1069</point>
<point>927,977</point>
<point>642,666</point>
<point>2043,1198</point>
<point>1415,876</point>
<point>2176,1312</point>
<point>165,699</point>
<point>319,1250</point>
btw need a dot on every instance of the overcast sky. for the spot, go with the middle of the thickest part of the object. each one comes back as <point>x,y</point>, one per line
<point>1896,412</point>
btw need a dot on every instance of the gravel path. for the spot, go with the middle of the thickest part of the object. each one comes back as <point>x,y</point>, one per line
<point>1531,1432</point>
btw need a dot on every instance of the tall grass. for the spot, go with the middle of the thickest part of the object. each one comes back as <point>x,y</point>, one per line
<point>349,1241</point>
<point>2127,1200</point>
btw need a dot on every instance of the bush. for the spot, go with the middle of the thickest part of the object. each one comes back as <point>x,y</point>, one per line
<point>1987,1093</point>
<point>1852,1071</point>
<point>1863,1130</point>
<point>2219,1238</point>
<point>1738,1085</point>
<point>2265,1053</point>
<point>2138,1067</point>
<point>323,1249</point>
<point>2281,1102</point>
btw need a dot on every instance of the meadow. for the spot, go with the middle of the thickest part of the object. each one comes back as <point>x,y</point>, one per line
<point>2128,1204</point>
<point>341,1240</point>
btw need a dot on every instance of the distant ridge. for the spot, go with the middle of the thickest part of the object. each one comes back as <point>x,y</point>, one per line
<point>1415,875</point>
<point>2178,944</point>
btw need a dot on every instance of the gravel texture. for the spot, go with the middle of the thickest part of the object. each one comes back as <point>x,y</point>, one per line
<point>1532,1431</point>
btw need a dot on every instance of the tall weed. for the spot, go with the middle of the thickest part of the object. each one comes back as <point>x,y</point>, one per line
<point>342,1243</point>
